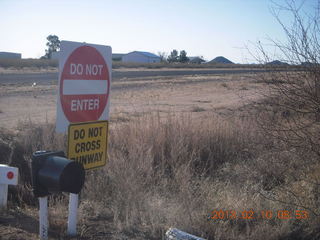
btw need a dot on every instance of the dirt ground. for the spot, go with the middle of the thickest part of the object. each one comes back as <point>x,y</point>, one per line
<point>219,94</point>
<point>130,98</point>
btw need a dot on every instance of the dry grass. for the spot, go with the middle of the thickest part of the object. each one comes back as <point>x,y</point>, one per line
<point>198,109</point>
<point>28,63</point>
<point>161,171</point>
<point>172,171</point>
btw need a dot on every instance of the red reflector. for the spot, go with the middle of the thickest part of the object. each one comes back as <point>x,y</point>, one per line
<point>10,175</point>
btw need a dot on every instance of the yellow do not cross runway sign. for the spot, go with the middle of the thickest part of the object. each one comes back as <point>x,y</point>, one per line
<point>87,143</point>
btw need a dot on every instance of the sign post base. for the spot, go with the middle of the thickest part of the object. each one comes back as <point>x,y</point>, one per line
<point>72,217</point>
<point>43,218</point>
<point>3,195</point>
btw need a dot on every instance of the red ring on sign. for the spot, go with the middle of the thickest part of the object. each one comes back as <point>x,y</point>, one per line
<point>83,56</point>
<point>10,175</point>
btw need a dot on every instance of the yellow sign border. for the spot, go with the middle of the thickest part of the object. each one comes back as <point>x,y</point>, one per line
<point>85,123</point>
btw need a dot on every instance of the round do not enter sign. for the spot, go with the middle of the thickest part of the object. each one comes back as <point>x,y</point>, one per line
<point>84,85</point>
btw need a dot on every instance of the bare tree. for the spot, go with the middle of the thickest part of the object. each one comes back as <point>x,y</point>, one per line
<point>163,56</point>
<point>294,102</point>
<point>290,112</point>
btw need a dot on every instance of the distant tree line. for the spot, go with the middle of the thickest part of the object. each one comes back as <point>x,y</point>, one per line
<point>174,57</point>
<point>53,45</point>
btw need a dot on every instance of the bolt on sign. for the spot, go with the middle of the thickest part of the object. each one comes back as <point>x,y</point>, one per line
<point>87,143</point>
<point>84,83</point>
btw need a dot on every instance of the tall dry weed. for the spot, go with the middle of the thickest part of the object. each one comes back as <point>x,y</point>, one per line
<point>172,171</point>
<point>16,150</point>
<point>162,171</point>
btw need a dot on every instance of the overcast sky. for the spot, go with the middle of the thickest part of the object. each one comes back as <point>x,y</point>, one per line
<point>207,28</point>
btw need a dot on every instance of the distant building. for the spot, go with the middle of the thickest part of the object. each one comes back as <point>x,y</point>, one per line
<point>196,60</point>
<point>141,57</point>
<point>117,56</point>
<point>10,55</point>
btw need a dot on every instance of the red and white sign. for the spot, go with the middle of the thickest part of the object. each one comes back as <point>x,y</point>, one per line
<point>84,83</point>
<point>8,175</point>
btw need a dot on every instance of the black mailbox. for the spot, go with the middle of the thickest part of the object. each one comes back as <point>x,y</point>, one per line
<point>52,172</point>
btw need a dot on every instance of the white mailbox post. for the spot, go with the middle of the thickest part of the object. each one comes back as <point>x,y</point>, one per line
<point>8,175</point>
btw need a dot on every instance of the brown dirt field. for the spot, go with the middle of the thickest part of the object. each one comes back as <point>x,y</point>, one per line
<point>219,94</point>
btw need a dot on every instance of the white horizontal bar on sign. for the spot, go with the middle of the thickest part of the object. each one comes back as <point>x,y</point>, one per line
<point>82,87</point>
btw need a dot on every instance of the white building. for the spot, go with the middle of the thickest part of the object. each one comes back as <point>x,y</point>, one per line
<point>10,55</point>
<point>141,57</point>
